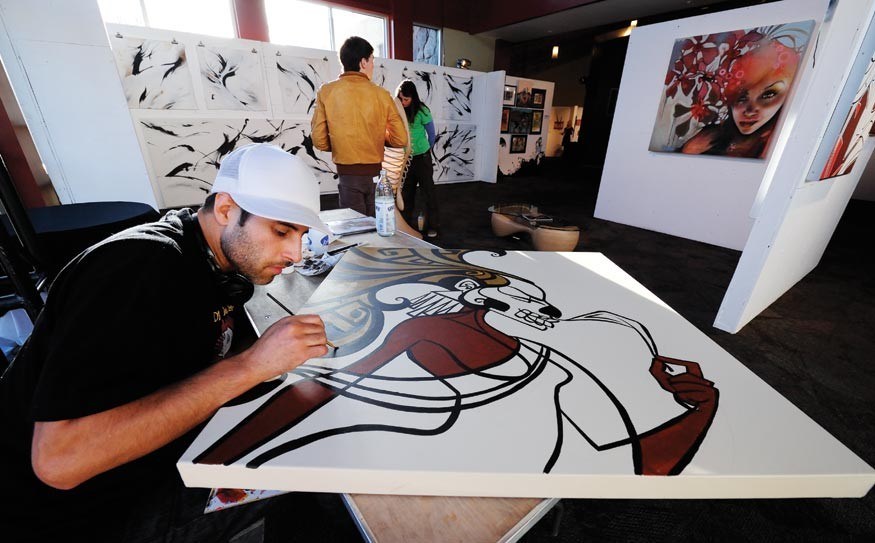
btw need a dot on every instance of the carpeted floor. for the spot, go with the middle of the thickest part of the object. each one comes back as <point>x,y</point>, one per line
<point>815,346</point>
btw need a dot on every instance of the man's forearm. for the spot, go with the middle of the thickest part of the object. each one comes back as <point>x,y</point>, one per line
<point>66,453</point>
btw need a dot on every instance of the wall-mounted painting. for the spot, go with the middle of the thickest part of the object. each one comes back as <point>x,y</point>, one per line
<point>457,97</point>
<point>520,121</point>
<point>539,98</point>
<point>523,93</point>
<point>840,148</point>
<point>505,120</point>
<point>155,73</point>
<point>453,152</point>
<point>509,95</point>
<point>537,118</point>
<point>299,79</point>
<point>517,144</point>
<point>185,154</point>
<point>232,78</point>
<point>724,93</point>
<point>425,81</point>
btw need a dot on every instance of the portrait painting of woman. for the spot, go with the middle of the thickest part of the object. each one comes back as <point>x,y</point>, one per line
<point>724,93</point>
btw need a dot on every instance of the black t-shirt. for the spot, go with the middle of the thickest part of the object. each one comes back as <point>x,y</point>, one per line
<point>125,318</point>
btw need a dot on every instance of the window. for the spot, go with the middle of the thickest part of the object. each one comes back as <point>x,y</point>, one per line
<point>309,24</point>
<point>210,17</point>
<point>427,45</point>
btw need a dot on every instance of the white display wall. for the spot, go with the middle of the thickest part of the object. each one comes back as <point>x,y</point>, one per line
<point>195,98</point>
<point>797,218</point>
<point>699,197</point>
<point>510,162</point>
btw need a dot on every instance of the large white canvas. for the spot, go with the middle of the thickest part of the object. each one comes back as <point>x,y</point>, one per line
<point>454,152</point>
<point>299,80</point>
<point>232,78</point>
<point>457,96</point>
<point>478,373</point>
<point>154,73</point>
<point>185,154</point>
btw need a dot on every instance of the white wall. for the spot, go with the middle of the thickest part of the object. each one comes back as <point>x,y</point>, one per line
<point>704,198</point>
<point>797,219</point>
<point>479,50</point>
<point>63,73</point>
<point>488,90</point>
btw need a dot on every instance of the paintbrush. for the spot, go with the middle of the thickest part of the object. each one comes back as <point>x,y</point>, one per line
<point>289,311</point>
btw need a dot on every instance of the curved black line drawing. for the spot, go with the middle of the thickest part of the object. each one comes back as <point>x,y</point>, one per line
<point>466,362</point>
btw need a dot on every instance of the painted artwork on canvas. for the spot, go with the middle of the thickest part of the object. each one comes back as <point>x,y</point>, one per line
<point>154,73</point>
<point>299,80</point>
<point>425,80</point>
<point>857,117</point>
<point>454,152</point>
<point>724,92</point>
<point>185,154</point>
<point>232,78</point>
<point>381,76</point>
<point>513,374</point>
<point>457,97</point>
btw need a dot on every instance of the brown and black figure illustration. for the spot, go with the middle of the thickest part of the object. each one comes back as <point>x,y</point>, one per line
<point>454,361</point>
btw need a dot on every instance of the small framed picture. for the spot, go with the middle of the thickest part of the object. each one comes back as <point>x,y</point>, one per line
<point>517,144</point>
<point>520,121</point>
<point>509,95</point>
<point>537,117</point>
<point>539,97</point>
<point>505,119</point>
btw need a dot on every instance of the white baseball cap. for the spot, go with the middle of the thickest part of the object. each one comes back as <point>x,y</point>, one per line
<point>271,183</point>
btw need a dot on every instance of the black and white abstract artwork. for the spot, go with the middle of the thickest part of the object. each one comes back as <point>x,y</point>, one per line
<point>299,79</point>
<point>381,76</point>
<point>454,152</point>
<point>185,154</point>
<point>457,97</point>
<point>425,81</point>
<point>232,78</point>
<point>154,73</point>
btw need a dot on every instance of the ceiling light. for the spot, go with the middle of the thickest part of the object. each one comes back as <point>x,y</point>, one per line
<point>555,53</point>
<point>634,23</point>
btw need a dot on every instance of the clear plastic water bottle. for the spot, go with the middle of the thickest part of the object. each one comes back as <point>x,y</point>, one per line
<point>384,204</point>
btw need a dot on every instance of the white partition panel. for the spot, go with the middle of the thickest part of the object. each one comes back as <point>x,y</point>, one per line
<point>704,198</point>
<point>273,101</point>
<point>797,218</point>
<point>61,68</point>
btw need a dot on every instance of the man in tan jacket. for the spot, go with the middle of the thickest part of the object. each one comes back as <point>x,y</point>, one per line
<point>355,119</point>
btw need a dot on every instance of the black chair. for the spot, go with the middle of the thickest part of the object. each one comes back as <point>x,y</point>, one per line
<point>37,243</point>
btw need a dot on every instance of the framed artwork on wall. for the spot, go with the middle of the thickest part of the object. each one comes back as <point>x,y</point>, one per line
<point>505,119</point>
<point>715,82</point>
<point>517,144</point>
<point>523,93</point>
<point>537,117</point>
<point>509,95</point>
<point>539,98</point>
<point>520,121</point>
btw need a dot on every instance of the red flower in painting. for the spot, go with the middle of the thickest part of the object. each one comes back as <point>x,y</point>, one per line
<point>703,71</point>
<point>703,112</point>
